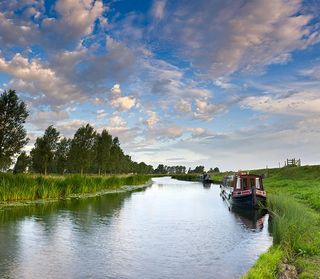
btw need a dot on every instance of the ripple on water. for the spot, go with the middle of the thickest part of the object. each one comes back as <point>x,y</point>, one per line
<point>174,229</point>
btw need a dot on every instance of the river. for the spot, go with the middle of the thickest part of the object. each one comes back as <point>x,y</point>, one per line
<point>173,229</point>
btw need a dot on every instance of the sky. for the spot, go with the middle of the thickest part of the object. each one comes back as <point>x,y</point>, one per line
<point>233,84</point>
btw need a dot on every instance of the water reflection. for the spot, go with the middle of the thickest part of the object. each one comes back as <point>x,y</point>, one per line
<point>173,229</point>
<point>251,218</point>
<point>206,185</point>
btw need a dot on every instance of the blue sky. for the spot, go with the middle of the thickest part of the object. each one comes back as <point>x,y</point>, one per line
<point>233,84</point>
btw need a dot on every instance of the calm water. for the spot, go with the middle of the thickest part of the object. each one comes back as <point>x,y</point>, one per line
<point>173,229</point>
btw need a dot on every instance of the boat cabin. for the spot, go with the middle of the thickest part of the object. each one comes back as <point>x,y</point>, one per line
<point>245,181</point>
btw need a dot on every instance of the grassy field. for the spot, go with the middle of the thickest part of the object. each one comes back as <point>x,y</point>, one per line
<point>294,205</point>
<point>29,187</point>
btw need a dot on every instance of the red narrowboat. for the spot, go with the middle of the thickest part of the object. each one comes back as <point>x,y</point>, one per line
<point>243,189</point>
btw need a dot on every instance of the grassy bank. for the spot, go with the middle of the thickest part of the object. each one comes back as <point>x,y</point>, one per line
<point>294,204</point>
<point>186,177</point>
<point>29,187</point>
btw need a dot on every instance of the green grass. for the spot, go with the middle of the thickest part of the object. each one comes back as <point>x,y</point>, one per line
<point>267,265</point>
<point>29,187</point>
<point>195,177</point>
<point>294,205</point>
<point>186,177</point>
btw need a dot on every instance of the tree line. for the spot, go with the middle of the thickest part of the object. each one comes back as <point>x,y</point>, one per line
<point>87,152</point>
<point>163,169</point>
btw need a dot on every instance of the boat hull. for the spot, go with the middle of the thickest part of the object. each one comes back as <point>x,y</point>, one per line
<point>247,199</point>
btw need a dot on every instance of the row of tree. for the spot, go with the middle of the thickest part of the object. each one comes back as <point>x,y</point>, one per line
<point>163,169</point>
<point>87,152</point>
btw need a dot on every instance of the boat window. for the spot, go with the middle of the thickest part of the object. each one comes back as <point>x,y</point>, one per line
<point>252,182</point>
<point>244,183</point>
<point>257,182</point>
<point>238,185</point>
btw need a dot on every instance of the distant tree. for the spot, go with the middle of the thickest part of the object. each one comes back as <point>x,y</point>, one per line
<point>22,163</point>
<point>161,169</point>
<point>198,169</point>
<point>61,155</point>
<point>144,168</point>
<point>82,148</point>
<point>175,169</point>
<point>13,114</point>
<point>42,154</point>
<point>216,169</point>
<point>103,146</point>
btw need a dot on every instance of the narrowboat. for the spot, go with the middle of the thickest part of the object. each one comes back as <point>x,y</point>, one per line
<point>205,179</point>
<point>244,190</point>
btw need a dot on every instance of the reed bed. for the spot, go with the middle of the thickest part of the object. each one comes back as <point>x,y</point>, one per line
<point>29,187</point>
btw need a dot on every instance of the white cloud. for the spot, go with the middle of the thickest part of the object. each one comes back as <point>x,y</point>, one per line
<point>183,106</point>
<point>101,114</point>
<point>36,78</point>
<point>117,121</point>
<point>313,72</point>
<point>302,103</point>
<point>222,37</point>
<point>123,103</point>
<point>152,120</point>
<point>115,90</point>
<point>158,9</point>
<point>76,19</point>
<point>207,111</point>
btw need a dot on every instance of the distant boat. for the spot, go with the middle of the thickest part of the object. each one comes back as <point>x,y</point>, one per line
<point>205,179</point>
<point>244,190</point>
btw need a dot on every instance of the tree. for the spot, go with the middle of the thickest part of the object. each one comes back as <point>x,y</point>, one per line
<point>161,169</point>
<point>44,149</point>
<point>116,155</point>
<point>61,155</point>
<point>216,169</point>
<point>82,148</point>
<point>13,114</point>
<point>103,148</point>
<point>198,169</point>
<point>22,163</point>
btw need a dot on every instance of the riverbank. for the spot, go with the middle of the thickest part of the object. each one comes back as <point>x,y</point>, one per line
<point>217,178</point>
<point>294,205</point>
<point>24,188</point>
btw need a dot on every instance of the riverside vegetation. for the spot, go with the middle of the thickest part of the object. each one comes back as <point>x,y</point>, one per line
<point>294,206</point>
<point>89,152</point>
<point>22,187</point>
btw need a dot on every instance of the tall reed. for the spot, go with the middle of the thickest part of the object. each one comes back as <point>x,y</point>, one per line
<point>30,187</point>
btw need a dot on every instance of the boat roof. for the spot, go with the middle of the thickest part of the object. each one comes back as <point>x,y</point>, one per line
<point>245,173</point>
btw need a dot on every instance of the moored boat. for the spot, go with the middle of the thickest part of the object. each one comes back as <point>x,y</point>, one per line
<point>205,179</point>
<point>244,190</point>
